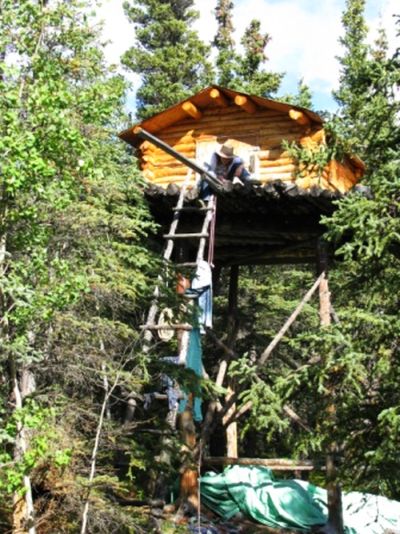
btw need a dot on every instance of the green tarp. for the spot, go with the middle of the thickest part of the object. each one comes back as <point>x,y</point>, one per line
<point>292,504</point>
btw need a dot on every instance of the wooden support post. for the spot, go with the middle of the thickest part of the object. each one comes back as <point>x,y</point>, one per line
<point>245,103</point>
<point>231,429</point>
<point>188,491</point>
<point>188,488</point>
<point>219,98</point>
<point>277,464</point>
<point>335,513</point>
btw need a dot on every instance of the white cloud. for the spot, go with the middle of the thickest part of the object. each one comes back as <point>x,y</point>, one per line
<point>117,29</point>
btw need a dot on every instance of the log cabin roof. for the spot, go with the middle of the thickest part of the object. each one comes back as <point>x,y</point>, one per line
<point>203,100</point>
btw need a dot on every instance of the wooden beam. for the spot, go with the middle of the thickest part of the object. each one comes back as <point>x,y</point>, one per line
<point>267,352</point>
<point>277,464</point>
<point>219,98</point>
<point>334,495</point>
<point>189,108</point>
<point>245,103</point>
<point>299,117</point>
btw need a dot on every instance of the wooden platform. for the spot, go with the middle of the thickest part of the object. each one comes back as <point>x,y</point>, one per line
<point>274,223</point>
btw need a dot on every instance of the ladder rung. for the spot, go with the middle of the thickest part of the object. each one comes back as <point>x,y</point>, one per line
<point>184,236</point>
<point>187,264</point>
<point>166,327</point>
<point>192,208</point>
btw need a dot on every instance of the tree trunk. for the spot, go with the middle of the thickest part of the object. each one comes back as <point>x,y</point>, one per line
<point>231,430</point>
<point>23,509</point>
<point>335,513</point>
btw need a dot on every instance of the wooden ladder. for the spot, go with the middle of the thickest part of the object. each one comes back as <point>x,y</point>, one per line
<point>170,239</point>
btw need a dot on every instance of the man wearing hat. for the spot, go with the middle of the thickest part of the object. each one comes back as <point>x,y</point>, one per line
<point>227,167</point>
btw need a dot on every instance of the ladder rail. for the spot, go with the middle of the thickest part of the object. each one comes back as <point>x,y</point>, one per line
<point>171,238</point>
<point>210,214</point>
<point>151,315</point>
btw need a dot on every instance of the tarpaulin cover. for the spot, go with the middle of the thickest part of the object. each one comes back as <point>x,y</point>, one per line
<point>292,504</point>
<point>194,362</point>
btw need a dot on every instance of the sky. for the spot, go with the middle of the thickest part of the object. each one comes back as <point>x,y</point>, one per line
<point>304,37</point>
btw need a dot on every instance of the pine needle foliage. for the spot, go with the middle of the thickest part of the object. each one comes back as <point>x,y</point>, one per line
<point>74,263</point>
<point>168,55</point>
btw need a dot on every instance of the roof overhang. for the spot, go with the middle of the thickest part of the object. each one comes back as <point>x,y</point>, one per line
<point>203,100</point>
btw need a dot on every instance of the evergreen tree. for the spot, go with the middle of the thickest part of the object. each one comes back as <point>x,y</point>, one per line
<point>355,361</point>
<point>304,95</point>
<point>361,353</point>
<point>73,266</point>
<point>169,56</point>
<point>243,72</point>
<point>303,98</point>
<point>251,76</point>
<point>351,94</point>
<point>224,43</point>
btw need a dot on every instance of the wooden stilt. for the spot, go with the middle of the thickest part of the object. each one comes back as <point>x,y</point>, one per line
<point>189,474</point>
<point>335,512</point>
<point>231,429</point>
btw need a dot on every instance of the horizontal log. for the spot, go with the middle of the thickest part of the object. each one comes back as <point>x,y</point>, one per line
<point>218,118</point>
<point>217,97</point>
<point>221,125</point>
<point>165,159</point>
<point>180,147</point>
<point>290,167</point>
<point>186,140</point>
<point>245,103</point>
<point>233,109</point>
<point>158,163</point>
<point>271,175</point>
<point>275,153</point>
<point>274,162</point>
<point>277,464</point>
<point>266,139</point>
<point>161,173</point>
<point>275,141</point>
<point>189,108</point>
<point>299,117</point>
<point>172,167</point>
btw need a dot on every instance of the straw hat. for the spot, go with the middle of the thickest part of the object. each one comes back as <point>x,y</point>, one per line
<point>225,151</point>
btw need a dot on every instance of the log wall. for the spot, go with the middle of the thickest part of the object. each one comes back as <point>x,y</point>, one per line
<point>264,129</point>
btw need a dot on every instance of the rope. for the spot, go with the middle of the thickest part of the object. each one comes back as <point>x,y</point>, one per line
<point>211,241</point>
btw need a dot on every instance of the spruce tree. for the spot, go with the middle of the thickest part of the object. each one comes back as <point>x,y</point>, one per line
<point>367,227</point>
<point>303,98</point>
<point>351,94</point>
<point>252,78</point>
<point>72,262</point>
<point>226,60</point>
<point>243,72</point>
<point>356,359</point>
<point>168,55</point>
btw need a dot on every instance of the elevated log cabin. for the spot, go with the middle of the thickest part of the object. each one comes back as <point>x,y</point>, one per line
<point>276,218</point>
<point>273,219</point>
